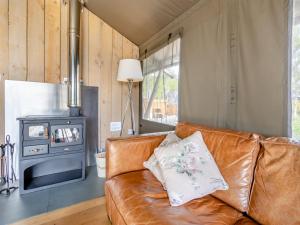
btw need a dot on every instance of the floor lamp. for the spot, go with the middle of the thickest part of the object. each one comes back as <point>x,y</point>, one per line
<point>129,71</point>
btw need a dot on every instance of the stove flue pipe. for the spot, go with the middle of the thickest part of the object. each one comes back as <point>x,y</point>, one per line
<point>74,86</point>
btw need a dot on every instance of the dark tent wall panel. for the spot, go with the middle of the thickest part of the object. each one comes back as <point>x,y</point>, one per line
<point>234,64</point>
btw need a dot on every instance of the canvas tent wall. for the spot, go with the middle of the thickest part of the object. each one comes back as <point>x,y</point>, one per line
<point>234,64</point>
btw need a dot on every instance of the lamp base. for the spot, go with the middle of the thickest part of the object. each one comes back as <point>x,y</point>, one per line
<point>129,103</point>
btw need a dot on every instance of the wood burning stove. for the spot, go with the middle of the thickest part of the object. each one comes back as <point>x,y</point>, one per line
<point>52,151</point>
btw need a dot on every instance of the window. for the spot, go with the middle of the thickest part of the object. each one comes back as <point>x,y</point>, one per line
<point>160,85</point>
<point>295,82</point>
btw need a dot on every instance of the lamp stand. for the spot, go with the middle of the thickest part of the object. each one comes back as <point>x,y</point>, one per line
<point>129,103</point>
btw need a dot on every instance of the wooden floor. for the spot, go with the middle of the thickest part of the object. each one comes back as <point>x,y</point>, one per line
<point>92,212</point>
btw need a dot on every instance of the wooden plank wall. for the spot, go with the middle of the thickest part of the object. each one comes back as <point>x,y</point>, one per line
<point>17,44</point>
<point>116,87</point>
<point>105,48</point>
<point>36,40</point>
<point>64,48</point>
<point>52,41</point>
<point>34,47</point>
<point>3,60</point>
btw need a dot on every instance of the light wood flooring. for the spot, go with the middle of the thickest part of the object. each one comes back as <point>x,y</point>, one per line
<point>92,212</point>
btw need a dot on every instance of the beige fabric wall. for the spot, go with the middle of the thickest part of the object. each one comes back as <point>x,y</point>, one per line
<point>233,64</point>
<point>203,77</point>
<point>262,60</point>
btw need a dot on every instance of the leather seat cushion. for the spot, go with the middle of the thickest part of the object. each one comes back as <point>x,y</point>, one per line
<point>138,198</point>
<point>245,221</point>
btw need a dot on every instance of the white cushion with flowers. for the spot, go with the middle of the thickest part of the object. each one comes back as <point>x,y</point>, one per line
<point>189,170</point>
<point>152,163</point>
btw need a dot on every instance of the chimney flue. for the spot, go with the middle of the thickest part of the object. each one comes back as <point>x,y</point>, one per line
<point>74,88</point>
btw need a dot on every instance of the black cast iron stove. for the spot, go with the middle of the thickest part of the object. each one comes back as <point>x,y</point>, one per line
<point>52,151</point>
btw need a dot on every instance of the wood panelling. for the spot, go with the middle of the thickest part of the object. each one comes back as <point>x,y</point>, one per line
<point>52,41</point>
<point>116,87</point>
<point>17,39</point>
<point>105,81</point>
<point>123,48</point>
<point>106,48</point>
<point>64,43</point>
<point>95,60</point>
<point>94,50</point>
<point>36,40</point>
<point>84,46</point>
<point>42,25</point>
<point>3,60</point>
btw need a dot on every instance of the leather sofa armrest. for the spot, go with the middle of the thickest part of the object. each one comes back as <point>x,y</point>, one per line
<point>128,154</point>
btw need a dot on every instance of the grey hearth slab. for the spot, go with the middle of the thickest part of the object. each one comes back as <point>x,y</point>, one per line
<point>16,207</point>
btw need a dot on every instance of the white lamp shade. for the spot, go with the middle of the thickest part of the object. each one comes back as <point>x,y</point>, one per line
<point>130,69</point>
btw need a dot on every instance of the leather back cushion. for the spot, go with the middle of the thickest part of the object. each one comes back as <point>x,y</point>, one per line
<point>133,151</point>
<point>275,198</point>
<point>235,154</point>
<point>184,129</point>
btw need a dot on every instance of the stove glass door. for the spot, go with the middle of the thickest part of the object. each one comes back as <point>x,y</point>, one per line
<point>35,131</point>
<point>64,135</point>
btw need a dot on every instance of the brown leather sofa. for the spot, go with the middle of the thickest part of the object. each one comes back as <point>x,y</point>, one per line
<point>263,177</point>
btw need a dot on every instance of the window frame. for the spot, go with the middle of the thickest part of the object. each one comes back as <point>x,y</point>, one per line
<point>288,117</point>
<point>148,126</point>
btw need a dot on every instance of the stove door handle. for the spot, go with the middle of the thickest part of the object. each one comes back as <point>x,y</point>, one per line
<point>36,150</point>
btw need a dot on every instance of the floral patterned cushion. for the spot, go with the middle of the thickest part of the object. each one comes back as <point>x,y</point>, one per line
<point>152,163</point>
<point>189,170</point>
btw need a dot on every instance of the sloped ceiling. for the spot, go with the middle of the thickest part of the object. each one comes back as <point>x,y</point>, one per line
<point>138,20</point>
